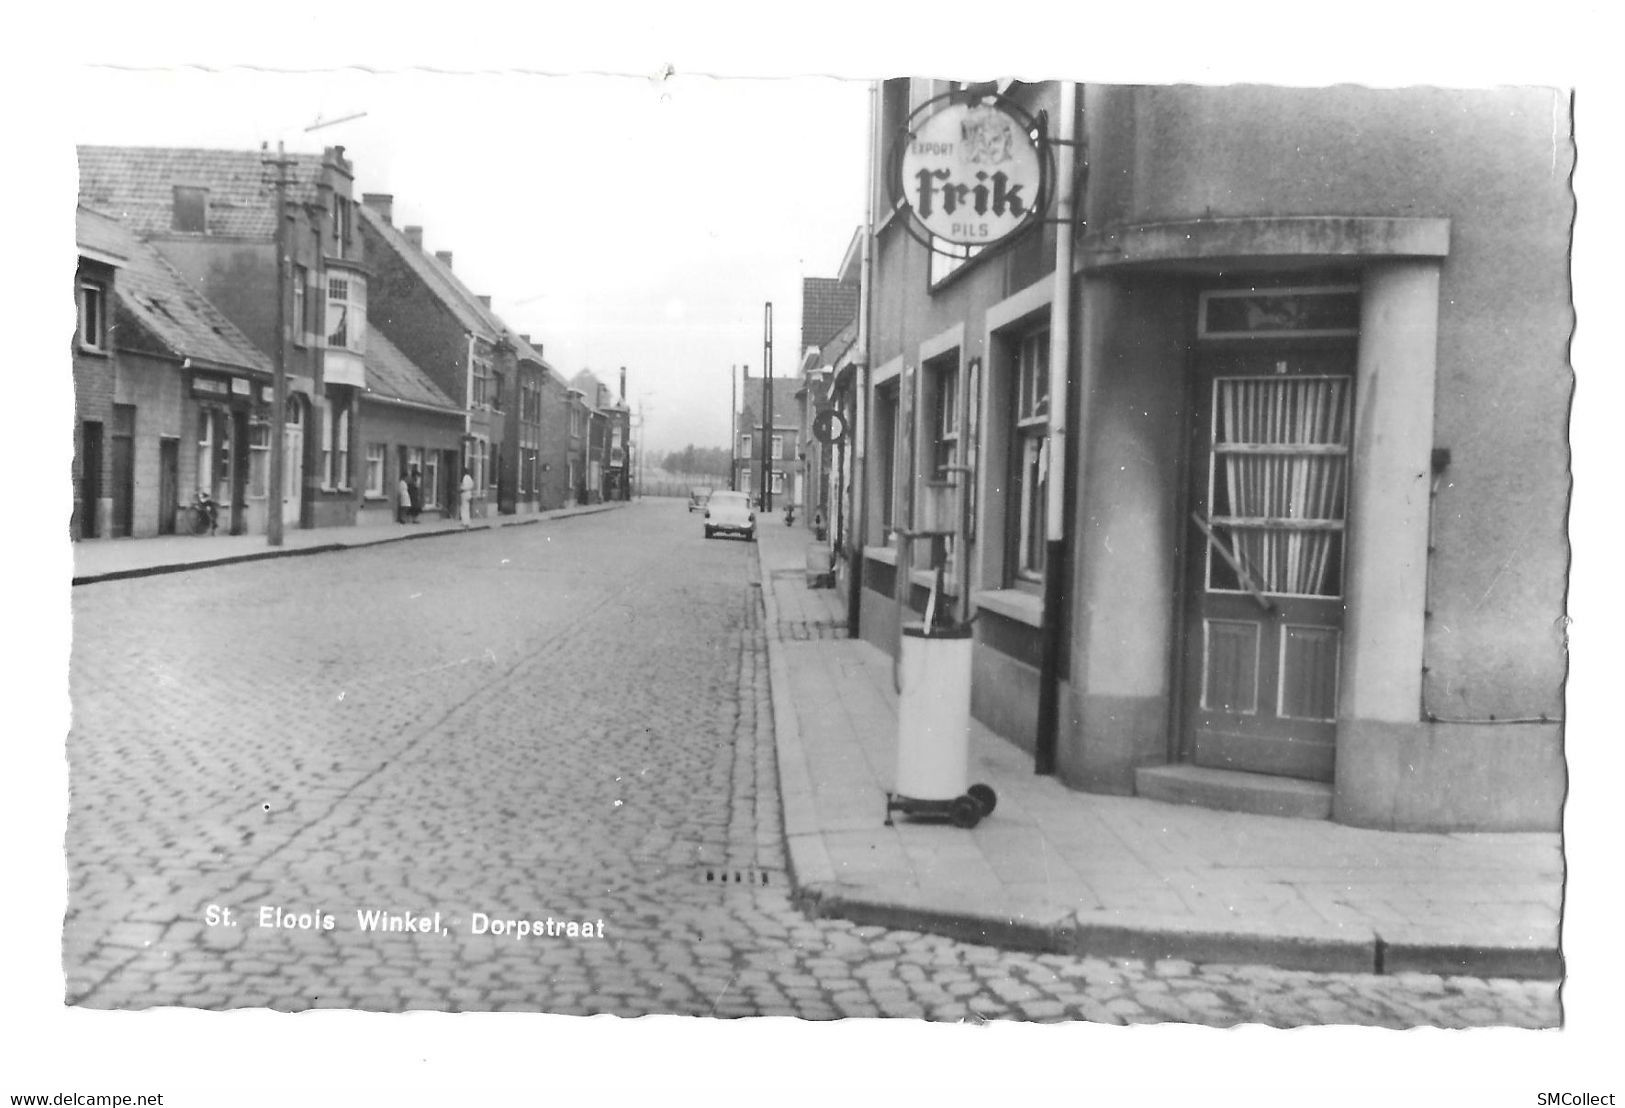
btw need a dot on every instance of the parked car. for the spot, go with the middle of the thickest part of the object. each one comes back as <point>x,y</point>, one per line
<point>697,497</point>
<point>730,513</point>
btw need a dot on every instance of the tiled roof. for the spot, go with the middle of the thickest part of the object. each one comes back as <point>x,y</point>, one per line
<point>784,401</point>
<point>152,294</point>
<point>827,305</point>
<point>101,235</point>
<point>394,376</point>
<point>839,344</point>
<point>137,183</point>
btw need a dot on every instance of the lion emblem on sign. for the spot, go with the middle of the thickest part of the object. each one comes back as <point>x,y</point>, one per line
<point>988,136</point>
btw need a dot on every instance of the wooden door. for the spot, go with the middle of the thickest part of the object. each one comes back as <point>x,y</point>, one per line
<point>169,468</point>
<point>90,480</point>
<point>1264,617</point>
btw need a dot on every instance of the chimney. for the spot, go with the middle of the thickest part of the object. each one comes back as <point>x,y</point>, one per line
<point>485,301</point>
<point>381,202</point>
<point>443,257</point>
<point>414,235</point>
<point>524,338</point>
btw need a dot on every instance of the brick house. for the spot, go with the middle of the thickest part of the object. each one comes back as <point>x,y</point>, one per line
<point>211,214</point>
<point>437,324</point>
<point>170,396</point>
<point>1309,347</point>
<point>829,316</point>
<point>606,438</point>
<point>780,447</point>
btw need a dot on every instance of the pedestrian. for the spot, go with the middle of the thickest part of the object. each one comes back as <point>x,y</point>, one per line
<point>414,491</point>
<point>403,500</point>
<point>467,498</point>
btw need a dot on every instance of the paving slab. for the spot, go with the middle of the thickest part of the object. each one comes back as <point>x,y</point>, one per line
<point>1061,871</point>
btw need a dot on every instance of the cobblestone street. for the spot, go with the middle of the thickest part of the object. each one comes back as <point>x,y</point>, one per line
<point>565,721</point>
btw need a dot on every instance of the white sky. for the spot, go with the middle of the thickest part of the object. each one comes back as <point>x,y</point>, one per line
<point>648,232</point>
<point>618,220</point>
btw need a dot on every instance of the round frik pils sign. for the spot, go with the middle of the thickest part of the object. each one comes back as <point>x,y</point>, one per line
<point>970,170</point>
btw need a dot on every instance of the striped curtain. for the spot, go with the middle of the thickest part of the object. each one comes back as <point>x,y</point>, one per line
<point>1281,490</point>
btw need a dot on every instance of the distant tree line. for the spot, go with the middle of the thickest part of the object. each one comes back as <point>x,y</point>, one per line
<point>713,460</point>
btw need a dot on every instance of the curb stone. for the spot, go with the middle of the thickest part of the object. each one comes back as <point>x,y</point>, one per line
<point>1314,947</point>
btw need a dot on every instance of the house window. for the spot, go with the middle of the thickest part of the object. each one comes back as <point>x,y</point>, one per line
<point>778,447</point>
<point>947,257</point>
<point>92,315</point>
<point>191,210</point>
<point>481,397</point>
<point>496,391</point>
<point>375,469</point>
<point>744,446</point>
<point>778,482</point>
<point>341,226</point>
<point>301,322</point>
<point>347,311</point>
<point>1031,439</point>
<point>885,456</point>
<point>341,448</point>
<point>945,420</point>
<point>575,421</point>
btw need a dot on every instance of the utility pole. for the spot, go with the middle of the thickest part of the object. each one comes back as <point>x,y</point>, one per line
<point>733,428</point>
<point>279,370</point>
<point>767,407</point>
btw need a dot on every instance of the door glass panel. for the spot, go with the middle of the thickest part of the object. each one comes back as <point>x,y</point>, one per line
<point>1230,679</point>
<point>1279,484</point>
<point>1309,672</point>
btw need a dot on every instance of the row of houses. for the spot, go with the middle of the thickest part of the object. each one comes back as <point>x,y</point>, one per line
<point>1255,433</point>
<point>395,369</point>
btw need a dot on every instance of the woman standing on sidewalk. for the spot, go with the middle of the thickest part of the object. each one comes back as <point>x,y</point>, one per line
<point>403,500</point>
<point>466,497</point>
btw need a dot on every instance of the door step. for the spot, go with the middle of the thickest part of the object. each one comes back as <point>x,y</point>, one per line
<point>1234,791</point>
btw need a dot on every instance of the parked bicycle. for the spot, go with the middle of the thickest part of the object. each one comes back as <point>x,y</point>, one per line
<point>202,514</point>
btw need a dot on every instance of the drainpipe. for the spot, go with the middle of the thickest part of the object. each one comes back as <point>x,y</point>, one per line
<point>860,403</point>
<point>1060,360</point>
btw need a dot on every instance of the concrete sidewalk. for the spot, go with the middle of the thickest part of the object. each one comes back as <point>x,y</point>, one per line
<point>1071,872</point>
<point>111,559</point>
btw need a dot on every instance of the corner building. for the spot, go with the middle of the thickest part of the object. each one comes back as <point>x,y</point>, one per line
<point>1316,471</point>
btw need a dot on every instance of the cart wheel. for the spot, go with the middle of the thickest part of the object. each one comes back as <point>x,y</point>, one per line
<point>984,797</point>
<point>966,812</point>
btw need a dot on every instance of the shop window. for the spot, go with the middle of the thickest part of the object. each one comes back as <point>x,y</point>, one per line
<point>191,210</point>
<point>259,457</point>
<point>375,469</point>
<point>431,479</point>
<point>92,315</point>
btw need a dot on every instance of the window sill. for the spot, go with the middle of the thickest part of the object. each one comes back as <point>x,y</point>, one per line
<point>1016,604</point>
<point>885,554</point>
